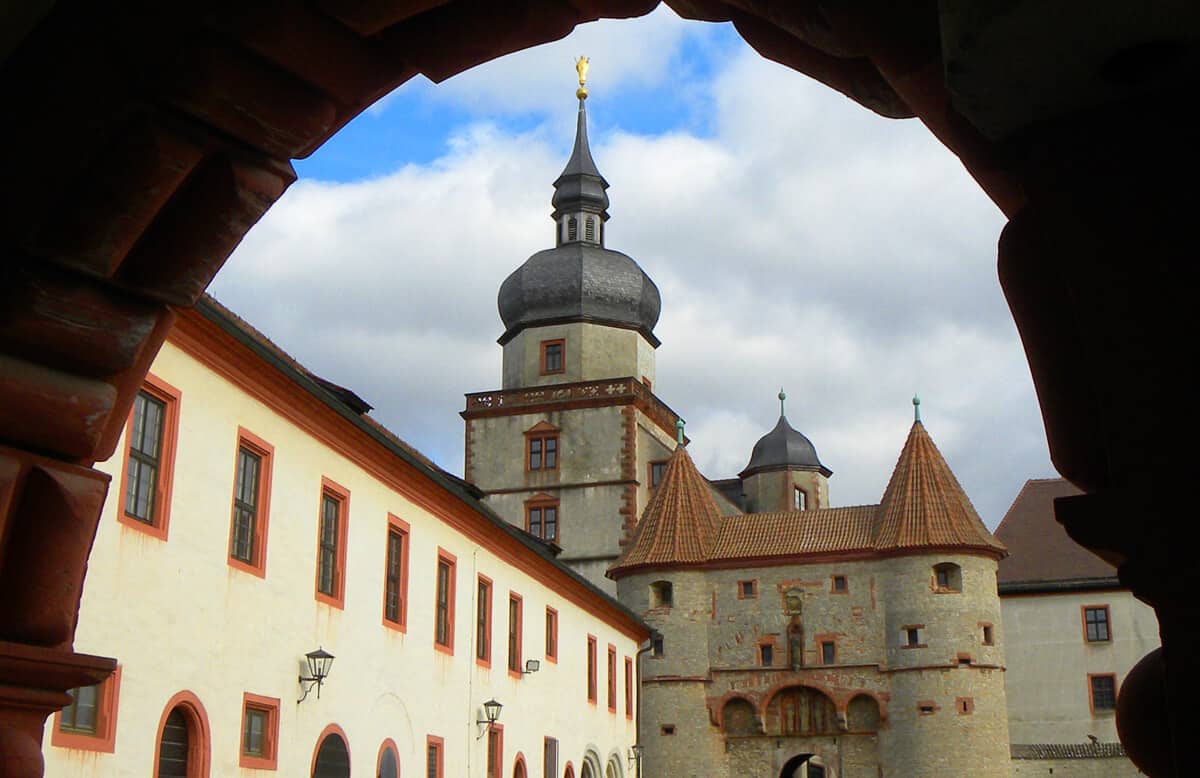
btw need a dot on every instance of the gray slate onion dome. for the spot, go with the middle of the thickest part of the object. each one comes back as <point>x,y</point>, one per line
<point>784,448</point>
<point>579,279</point>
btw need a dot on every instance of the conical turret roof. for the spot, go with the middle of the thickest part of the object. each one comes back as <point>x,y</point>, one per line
<point>925,507</point>
<point>679,526</point>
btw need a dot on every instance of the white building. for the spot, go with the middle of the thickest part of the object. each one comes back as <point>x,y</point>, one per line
<point>256,514</point>
<point>1073,632</point>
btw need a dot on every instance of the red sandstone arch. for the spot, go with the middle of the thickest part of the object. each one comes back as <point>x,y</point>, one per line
<point>330,729</point>
<point>199,734</point>
<point>144,141</point>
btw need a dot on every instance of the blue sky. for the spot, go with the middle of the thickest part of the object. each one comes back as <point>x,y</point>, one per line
<point>797,239</point>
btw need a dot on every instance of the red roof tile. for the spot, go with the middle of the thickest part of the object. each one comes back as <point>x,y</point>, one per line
<point>924,506</point>
<point>793,533</point>
<point>681,522</point>
<point>1040,549</point>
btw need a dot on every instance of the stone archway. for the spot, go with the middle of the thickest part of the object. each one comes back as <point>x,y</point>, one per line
<point>792,768</point>
<point>132,191</point>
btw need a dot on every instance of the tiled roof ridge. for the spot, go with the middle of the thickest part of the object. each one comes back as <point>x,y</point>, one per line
<point>925,506</point>
<point>1097,750</point>
<point>680,524</point>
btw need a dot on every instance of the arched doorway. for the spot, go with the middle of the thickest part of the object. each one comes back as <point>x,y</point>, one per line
<point>183,749</point>
<point>332,759</point>
<point>800,766</point>
<point>389,762</point>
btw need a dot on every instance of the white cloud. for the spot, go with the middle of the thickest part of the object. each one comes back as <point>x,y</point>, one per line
<point>809,244</point>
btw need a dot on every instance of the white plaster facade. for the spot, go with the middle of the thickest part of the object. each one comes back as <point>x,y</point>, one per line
<point>178,617</point>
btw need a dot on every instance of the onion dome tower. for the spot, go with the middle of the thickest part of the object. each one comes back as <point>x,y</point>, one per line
<point>784,472</point>
<point>594,308</point>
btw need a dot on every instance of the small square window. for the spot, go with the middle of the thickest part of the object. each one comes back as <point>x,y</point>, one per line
<point>989,635</point>
<point>1096,624</point>
<point>839,584</point>
<point>260,732</point>
<point>657,471</point>
<point>828,652</point>
<point>89,722</point>
<point>552,356</point>
<point>799,499</point>
<point>1103,692</point>
<point>542,452</point>
<point>657,644</point>
<point>912,637</point>
<point>926,708</point>
<point>667,729</point>
<point>766,655</point>
<point>541,519</point>
<point>747,590</point>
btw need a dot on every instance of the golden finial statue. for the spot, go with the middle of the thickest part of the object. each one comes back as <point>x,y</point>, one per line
<point>581,67</point>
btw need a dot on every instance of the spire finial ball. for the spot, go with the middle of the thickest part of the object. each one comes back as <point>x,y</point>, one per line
<point>916,408</point>
<point>679,431</point>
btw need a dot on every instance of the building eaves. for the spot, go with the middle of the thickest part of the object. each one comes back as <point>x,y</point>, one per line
<point>265,349</point>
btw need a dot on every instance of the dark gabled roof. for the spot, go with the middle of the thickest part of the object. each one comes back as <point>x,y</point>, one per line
<point>1041,554</point>
<point>925,507</point>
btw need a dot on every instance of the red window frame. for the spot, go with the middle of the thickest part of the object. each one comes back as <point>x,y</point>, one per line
<point>551,635</point>
<point>444,557</point>
<point>543,348</point>
<point>1092,693</point>
<point>591,669</point>
<point>266,457</point>
<point>437,747</point>
<point>396,527</point>
<point>546,444</point>
<point>340,494</point>
<point>541,504</point>
<point>833,584</point>
<point>171,398</point>
<point>494,766</point>
<point>745,592</point>
<point>483,631</point>
<point>104,738</point>
<point>612,678</point>
<point>270,756</point>
<point>516,629</point>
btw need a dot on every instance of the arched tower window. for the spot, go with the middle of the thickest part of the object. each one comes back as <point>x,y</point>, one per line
<point>662,594</point>
<point>589,229</point>
<point>947,577</point>
<point>572,228</point>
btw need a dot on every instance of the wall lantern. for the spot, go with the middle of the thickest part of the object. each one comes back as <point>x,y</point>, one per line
<point>491,712</point>
<point>319,663</point>
<point>531,666</point>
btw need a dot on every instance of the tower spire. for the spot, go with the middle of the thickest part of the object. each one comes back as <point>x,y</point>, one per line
<point>916,409</point>
<point>782,397</point>
<point>580,200</point>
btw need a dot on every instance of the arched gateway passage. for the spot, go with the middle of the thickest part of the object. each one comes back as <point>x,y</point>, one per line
<point>133,189</point>
<point>801,766</point>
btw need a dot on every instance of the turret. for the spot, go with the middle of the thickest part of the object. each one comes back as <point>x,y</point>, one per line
<point>784,473</point>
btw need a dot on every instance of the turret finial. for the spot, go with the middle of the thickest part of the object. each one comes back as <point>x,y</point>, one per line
<point>679,431</point>
<point>782,397</point>
<point>581,67</point>
<point>916,409</point>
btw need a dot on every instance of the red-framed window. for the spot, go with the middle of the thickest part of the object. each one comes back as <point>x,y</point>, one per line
<point>655,472</point>
<point>434,758</point>
<point>1097,623</point>
<point>260,732</point>
<point>515,630</point>
<point>89,722</point>
<point>838,584</point>
<point>612,678</point>
<point>747,590</point>
<point>395,574</point>
<point>541,451</point>
<point>495,751</point>
<point>553,356</point>
<point>251,503</point>
<point>591,669</point>
<point>551,635</point>
<point>1102,692</point>
<point>148,459</point>
<point>483,621</point>
<point>443,604</point>
<point>542,518</point>
<point>549,757</point>
<point>333,524</point>
<point>628,688</point>
<point>827,646</point>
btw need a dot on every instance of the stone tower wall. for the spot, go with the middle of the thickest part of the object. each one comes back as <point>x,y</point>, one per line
<point>947,714</point>
<point>592,352</point>
<point>772,490</point>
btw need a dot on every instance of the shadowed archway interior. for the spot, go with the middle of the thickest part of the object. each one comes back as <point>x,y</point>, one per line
<point>143,141</point>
